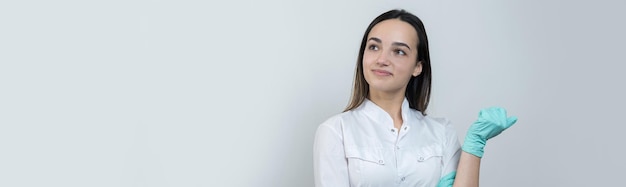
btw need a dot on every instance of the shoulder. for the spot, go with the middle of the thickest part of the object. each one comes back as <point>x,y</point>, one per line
<point>440,129</point>
<point>331,131</point>
<point>338,120</point>
<point>443,128</point>
<point>431,120</point>
<point>438,121</point>
<point>436,124</point>
<point>332,124</point>
<point>338,123</point>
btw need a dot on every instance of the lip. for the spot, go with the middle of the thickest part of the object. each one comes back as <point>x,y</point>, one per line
<point>381,72</point>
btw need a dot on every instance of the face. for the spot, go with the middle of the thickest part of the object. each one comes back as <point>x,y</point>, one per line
<point>389,59</point>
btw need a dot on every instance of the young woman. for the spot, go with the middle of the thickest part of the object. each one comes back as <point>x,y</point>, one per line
<point>384,137</point>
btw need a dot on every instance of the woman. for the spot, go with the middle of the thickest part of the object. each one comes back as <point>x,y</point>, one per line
<point>384,137</point>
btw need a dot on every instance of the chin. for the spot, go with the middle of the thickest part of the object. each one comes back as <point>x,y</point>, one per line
<point>382,87</point>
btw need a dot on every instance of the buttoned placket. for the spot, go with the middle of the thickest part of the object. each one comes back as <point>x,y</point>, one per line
<point>399,134</point>
<point>394,134</point>
<point>403,131</point>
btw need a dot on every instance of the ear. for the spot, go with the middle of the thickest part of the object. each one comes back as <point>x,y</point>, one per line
<point>418,69</point>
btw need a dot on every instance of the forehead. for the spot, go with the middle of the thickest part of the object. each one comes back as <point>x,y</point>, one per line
<point>394,30</point>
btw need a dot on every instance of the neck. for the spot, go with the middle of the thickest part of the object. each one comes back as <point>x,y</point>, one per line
<point>390,103</point>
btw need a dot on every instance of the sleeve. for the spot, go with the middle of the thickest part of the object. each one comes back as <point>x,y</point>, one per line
<point>330,166</point>
<point>451,156</point>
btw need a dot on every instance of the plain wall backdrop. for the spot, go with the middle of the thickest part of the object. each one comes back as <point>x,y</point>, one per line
<point>230,93</point>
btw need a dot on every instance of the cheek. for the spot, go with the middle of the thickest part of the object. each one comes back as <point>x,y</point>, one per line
<point>368,60</point>
<point>368,57</point>
<point>406,67</point>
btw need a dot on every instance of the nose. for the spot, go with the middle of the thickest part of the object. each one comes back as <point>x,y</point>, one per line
<point>382,59</point>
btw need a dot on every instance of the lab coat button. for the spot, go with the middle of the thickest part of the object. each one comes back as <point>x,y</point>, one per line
<point>393,130</point>
<point>421,159</point>
<point>381,161</point>
<point>402,179</point>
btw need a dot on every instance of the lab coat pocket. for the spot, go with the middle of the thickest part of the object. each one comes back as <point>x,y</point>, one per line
<point>364,161</point>
<point>429,161</point>
<point>372,155</point>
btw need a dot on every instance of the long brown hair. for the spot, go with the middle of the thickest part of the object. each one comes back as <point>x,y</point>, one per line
<point>418,88</point>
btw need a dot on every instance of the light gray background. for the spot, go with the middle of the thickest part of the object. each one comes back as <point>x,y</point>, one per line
<point>230,93</point>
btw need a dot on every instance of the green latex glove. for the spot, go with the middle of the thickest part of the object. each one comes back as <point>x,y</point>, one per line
<point>491,122</point>
<point>448,180</point>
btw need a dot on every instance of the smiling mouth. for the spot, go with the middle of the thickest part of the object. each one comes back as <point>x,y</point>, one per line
<point>381,72</point>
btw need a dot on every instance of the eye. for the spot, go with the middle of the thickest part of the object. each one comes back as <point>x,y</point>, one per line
<point>373,47</point>
<point>400,52</point>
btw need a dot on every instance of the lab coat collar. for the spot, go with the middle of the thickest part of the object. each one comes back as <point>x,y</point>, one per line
<point>381,116</point>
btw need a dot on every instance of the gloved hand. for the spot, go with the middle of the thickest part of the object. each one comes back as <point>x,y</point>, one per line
<point>491,122</point>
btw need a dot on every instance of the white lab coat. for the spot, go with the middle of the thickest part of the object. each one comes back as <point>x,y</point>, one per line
<point>361,147</point>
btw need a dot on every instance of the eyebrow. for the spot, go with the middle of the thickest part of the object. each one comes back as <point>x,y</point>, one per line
<point>400,44</point>
<point>394,43</point>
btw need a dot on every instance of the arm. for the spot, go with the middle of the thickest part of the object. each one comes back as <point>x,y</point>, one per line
<point>491,122</point>
<point>330,166</point>
<point>467,172</point>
